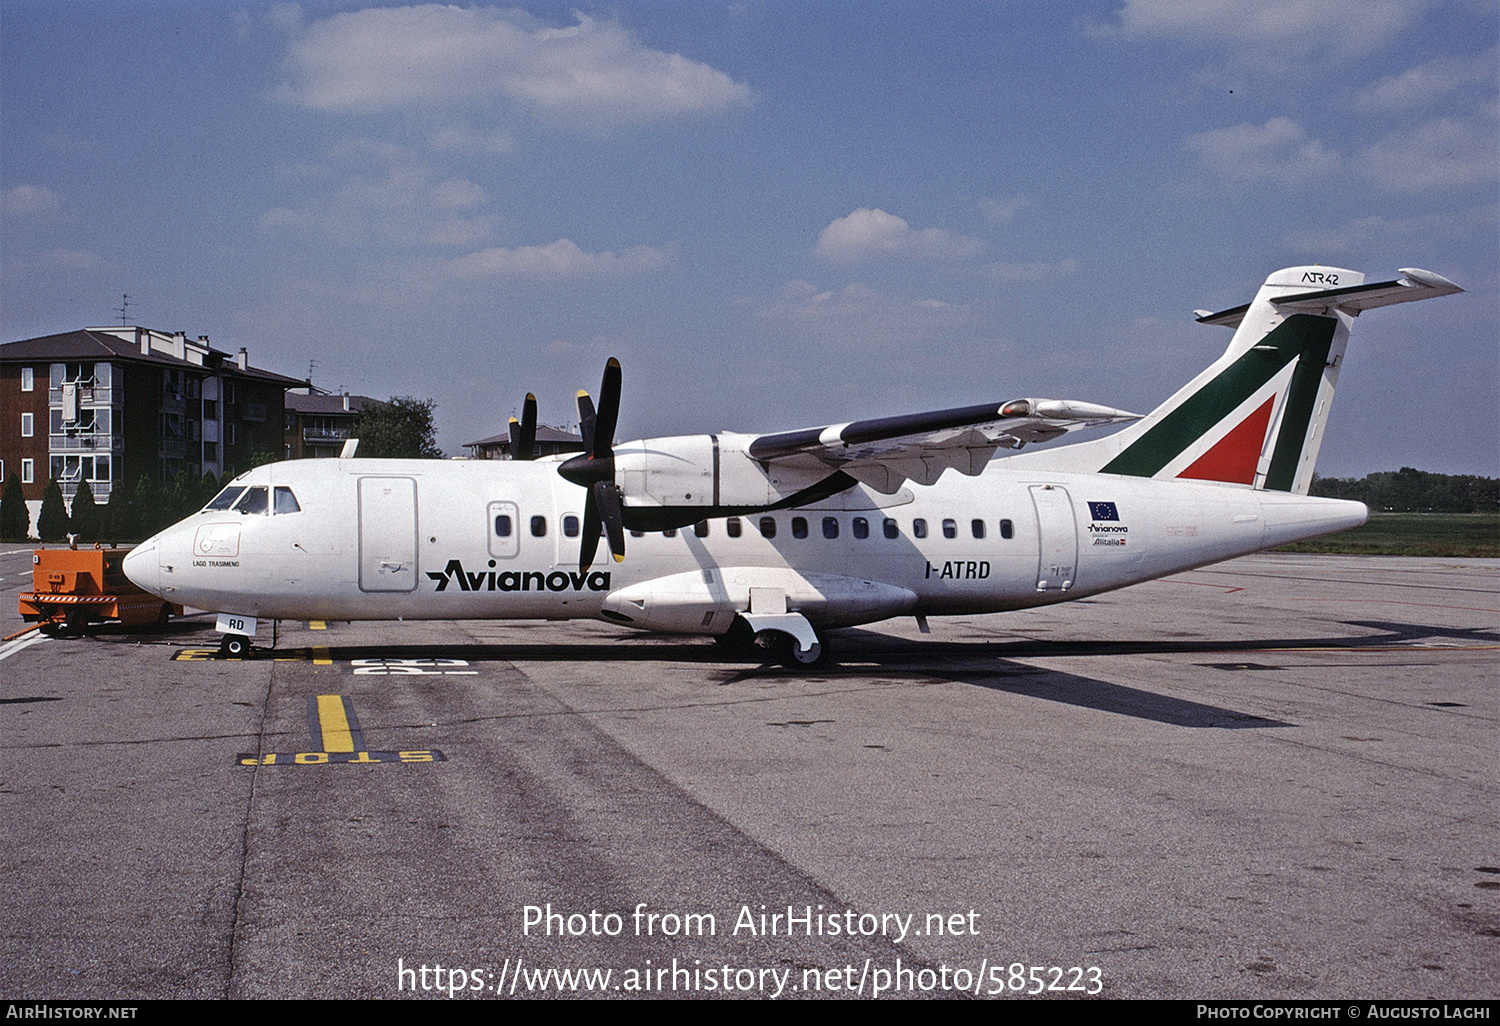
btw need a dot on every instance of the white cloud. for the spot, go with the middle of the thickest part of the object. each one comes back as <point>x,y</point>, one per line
<point>29,201</point>
<point>1292,27</point>
<point>1029,273</point>
<point>857,315</point>
<point>1430,82</point>
<point>868,234</point>
<point>1278,152</point>
<point>1444,153</point>
<point>593,75</point>
<point>560,260</point>
<point>1001,211</point>
<point>471,141</point>
<point>387,192</point>
<point>1424,233</point>
<point>72,259</point>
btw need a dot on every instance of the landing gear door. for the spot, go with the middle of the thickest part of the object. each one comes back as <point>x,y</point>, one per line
<point>387,534</point>
<point>1057,530</point>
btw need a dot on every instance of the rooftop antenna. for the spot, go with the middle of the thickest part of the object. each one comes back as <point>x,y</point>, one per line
<point>124,305</point>
<point>310,365</point>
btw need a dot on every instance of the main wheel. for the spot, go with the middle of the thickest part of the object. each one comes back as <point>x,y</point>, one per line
<point>234,646</point>
<point>793,657</point>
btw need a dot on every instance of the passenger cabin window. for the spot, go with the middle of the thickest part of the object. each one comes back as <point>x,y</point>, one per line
<point>861,527</point>
<point>570,526</point>
<point>977,526</point>
<point>503,526</point>
<point>891,530</point>
<point>830,527</point>
<point>733,528</point>
<point>286,502</point>
<point>1007,529</point>
<point>670,532</point>
<point>799,527</point>
<point>256,501</point>
<point>950,529</point>
<point>539,527</point>
<point>637,534</point>
<point>768,527</point>
<point>919,528</point>
<point>701,529</point>
<point>224,499</point>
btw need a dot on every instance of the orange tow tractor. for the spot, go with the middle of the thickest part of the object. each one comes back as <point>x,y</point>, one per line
<point>75,587</point>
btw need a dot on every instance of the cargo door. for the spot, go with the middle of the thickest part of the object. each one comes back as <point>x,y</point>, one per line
<point>1057,533</point>
<point>387,534</point>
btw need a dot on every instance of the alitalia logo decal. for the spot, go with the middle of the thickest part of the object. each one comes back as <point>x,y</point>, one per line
<point>1301,336</point>
<point>1106,528</point>
<point>1234,457</point>
<point>518,580</point>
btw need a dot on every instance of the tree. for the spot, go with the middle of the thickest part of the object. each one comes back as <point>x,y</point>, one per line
<point>85,516</point>
<point>15,520</point>
<point>399,429</point>
<point>52,521</point>
<point>207,489</point>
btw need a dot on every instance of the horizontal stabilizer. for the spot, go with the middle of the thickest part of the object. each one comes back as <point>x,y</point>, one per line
<point>1413,284</point>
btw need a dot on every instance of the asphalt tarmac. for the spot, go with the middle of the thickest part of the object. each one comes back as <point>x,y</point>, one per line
<point>1273,778</point>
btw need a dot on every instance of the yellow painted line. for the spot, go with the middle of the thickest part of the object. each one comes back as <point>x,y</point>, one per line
<point>337,736</point>
<point>317,625</point>
<point>321,656</point>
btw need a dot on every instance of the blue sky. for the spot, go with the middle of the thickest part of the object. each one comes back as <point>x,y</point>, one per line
<point>775,214</point>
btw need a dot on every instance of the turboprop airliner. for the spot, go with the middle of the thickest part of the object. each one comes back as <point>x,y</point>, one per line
<point>774,539</point>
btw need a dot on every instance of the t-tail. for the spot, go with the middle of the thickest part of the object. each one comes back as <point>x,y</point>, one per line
<point>1256,416</point>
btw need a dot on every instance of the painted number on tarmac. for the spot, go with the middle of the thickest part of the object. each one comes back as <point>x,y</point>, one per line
<point>392,667</point>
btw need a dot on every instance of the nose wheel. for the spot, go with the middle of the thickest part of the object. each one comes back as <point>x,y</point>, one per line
<point>234,646</point>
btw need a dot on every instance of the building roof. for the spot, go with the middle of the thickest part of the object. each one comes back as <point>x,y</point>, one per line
<point>543,434</point>
<point>94,344</point>
<point>329,405</point>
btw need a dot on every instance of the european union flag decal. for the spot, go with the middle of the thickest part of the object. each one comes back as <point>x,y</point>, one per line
<point>1103,511</point>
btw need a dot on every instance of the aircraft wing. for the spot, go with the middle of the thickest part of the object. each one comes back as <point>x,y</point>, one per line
<point>885,452</point>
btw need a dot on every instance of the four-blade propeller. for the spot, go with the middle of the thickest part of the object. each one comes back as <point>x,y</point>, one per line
<point>595,469</point>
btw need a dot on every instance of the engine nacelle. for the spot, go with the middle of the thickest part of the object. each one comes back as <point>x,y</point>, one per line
<point>672,482</point>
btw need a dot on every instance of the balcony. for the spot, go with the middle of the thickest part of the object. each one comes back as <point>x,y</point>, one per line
<point>91,396</point>
<point>327,434</point>
<point>85,443</point>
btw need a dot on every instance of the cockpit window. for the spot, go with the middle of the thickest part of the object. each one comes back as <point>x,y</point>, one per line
<point>256,501</point>
<point>286,502</point>
<point>225,499</point>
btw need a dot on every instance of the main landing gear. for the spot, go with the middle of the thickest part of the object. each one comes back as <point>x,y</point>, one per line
<point>742,639</point>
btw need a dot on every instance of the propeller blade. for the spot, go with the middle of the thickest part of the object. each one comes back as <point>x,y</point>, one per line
<point>590,540</point>
<point>528,428</point>
<point>609,410</point>
<point>606,496</point>
<point>523,431</point>
<point>586,419</point>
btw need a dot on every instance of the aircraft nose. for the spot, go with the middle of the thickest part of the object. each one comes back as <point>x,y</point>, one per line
<point>143,567</point>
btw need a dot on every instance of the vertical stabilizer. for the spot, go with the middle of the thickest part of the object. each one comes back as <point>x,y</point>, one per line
<point>1256,416</point>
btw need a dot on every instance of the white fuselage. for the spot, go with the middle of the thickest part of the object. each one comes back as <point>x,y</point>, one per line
<point>388,539</point>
